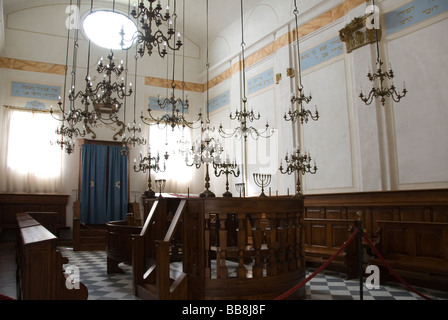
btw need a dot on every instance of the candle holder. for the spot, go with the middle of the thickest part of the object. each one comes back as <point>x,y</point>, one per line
<point>300,163</point>
<point>149,163</point>
<point>227,168</point>
<point>262,180</point>
<point>241,188</point>
<point>160,183</point>
<point>206,150</point>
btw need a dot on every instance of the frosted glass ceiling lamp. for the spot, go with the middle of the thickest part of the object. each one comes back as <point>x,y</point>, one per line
<point>109,29</point>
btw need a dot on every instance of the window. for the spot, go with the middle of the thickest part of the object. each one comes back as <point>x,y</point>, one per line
<point>177,173</point>
<point>105,27</point>
<point>33,163</point>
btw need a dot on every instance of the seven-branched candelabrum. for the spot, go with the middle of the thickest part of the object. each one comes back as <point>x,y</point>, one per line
<point>151,17</point>
<point>148,163</point>
<point>300,163</point>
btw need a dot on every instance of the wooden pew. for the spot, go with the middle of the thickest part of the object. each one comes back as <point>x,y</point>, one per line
<point>40,273</point>
<point>324,237</point>
<point>416,251</point>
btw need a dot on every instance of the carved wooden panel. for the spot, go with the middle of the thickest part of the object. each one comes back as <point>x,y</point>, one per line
<point>439,214</point>
<point>313,213</point>
<point>412,214</point>
<point>317,235</point>
<point>13,203</point>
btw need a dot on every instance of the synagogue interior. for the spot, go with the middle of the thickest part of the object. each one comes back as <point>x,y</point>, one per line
<point>223,150</point>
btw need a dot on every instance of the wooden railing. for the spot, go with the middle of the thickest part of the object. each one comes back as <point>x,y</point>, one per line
<point>153,278</point>
<point>220,248</point>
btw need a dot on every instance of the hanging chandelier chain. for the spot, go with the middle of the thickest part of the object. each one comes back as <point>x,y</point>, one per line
<point>296,14</point>
<point>300,112</point>
<point>379,78</point>
<point>243,116</point>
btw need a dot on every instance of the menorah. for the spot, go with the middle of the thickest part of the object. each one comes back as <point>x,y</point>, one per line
<point>147,164</point>
<point>301,164</point>
<point>240,188</point>
<point>227,168</point>
<point>262,180</point>
<point>160,183</point>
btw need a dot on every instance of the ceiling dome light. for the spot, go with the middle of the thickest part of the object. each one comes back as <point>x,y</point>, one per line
<point>104,28</point>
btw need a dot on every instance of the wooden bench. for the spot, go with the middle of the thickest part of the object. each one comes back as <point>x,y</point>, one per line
<point>324,237</point>
<point>40,273</point>
<point>416,251</point>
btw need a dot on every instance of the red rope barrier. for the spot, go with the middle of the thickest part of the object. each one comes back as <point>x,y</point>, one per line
<point>377,253</point>
<point>302,283</point>
<point>375,250</point>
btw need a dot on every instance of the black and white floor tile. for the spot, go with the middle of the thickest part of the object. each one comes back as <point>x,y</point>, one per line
<point>326,285</point>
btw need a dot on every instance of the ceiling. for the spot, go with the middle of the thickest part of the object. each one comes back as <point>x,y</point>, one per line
<point>221,12</point>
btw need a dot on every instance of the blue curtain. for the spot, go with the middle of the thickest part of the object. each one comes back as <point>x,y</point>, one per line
<point>117,190</point>
<point>93,184</point>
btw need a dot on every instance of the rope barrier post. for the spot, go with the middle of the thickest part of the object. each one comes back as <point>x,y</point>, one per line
<point>360,254</point>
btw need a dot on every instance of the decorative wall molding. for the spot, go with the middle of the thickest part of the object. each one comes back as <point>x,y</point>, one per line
<point>355,35</point>
<point>33,66</point>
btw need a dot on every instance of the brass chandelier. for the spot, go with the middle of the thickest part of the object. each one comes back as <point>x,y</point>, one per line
<point>98,103</point>
<point>152,17</point>
<point>176,107</point>
<point>298,162</point>
<point>380,79</point>
<point>244,116</point>
<point>300,112</point>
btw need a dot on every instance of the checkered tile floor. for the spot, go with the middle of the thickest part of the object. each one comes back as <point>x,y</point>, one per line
<point>324,286</point>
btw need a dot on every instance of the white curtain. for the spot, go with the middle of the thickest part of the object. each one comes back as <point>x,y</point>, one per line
<point>178,175</point>
<point>30,162</point>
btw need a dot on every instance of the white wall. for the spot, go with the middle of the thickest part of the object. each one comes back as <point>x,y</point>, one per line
<point>356,147</point>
